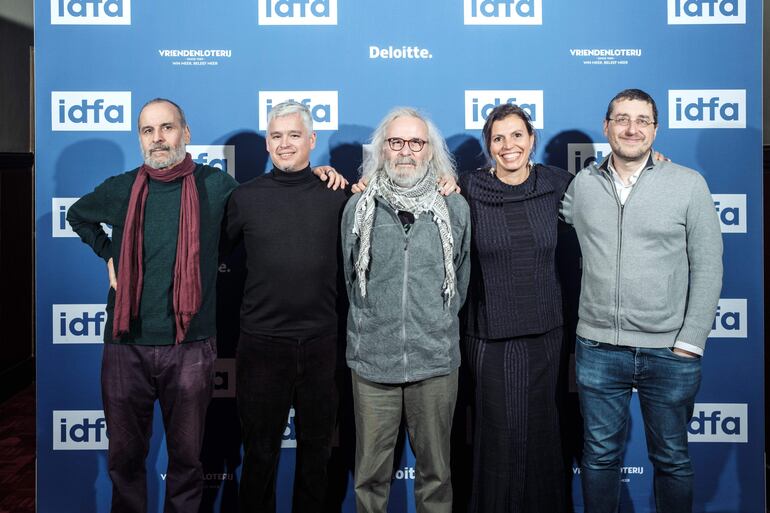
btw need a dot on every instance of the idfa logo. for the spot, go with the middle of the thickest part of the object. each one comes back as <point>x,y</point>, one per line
<point>90,12</point>
<point>289,437</point>
<point>581,155</point>
<point>731,209</point>
<point>707,108</point>
<point>706,12</point>
<point>712,422</point>
<point>730,319</point>
<point>75,430</point>
<point>59,225</point>
<point>224,377</point>
<point>91,111</point>
<point>297,12</point>
<point>221,156</point>
<point>78,324</point>
<point>478,105</point>
<point>503,12</point>
<point>322,106</point>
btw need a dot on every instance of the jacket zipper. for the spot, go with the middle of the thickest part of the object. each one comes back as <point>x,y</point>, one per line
<point>403,302</point>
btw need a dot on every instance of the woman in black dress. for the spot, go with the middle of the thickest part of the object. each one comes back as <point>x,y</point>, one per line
<point>513,322</point>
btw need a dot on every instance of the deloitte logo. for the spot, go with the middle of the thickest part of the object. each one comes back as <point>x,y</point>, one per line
<point>706,12</point>
<point>90,12</point>
<point>289,437</point>
<point>731,209</point>
<point>580,155</point>
<point>297,12</point>
<point>478,105</point>
<point>220,156</point>
<point>322,106</point>
<point>712,422</point>
<point>80,111</point>
<point>707,108</point>
<point>503,12</point>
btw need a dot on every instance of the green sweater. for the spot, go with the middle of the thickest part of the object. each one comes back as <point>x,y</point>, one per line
<point>108,204</point>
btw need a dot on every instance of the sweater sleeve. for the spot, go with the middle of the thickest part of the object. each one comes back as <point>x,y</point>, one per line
<point>86,215</point>
<point>704,253</point>
<point>232,225</point>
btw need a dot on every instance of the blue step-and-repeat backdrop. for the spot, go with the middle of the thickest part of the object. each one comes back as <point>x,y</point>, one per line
<point>350,61</point>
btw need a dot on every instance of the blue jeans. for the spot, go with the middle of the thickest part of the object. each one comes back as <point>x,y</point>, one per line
<point>667,384</point>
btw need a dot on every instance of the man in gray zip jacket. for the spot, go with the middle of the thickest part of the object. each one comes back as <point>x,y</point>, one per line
<point>406,261</point>
<point>652,274</point>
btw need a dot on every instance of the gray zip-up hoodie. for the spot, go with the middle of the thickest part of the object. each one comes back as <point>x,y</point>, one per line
<point>652,268</point>
<point>402,331</point>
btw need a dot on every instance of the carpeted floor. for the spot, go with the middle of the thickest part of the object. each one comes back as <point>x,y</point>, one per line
<point>17,453</point>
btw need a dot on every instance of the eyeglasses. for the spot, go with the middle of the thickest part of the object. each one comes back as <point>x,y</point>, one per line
<point>625,121</point>
<point>396,144</point>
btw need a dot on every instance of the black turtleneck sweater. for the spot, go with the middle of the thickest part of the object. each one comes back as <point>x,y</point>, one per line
<point>289,224</point>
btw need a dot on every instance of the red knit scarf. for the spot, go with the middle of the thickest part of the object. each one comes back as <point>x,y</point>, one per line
<point>187,278</point>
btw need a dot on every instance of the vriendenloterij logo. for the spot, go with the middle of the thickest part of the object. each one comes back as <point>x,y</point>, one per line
<point>90,111</point>
<point>224,377</point>
<point>706,12</point>
<point>78,324</point>
<point>479,103</point>
<point>322,105</point>
<point>715,422</point>
<point>297,12</point>
<point>707,108</point>
<point>77,430</point>
<point>221,156</point>
<point>59,225</point>
<point>580,155</point>
<point>90,12</point>
<point>503,12</point>
<point>731,319</point>
<point>731,209</point>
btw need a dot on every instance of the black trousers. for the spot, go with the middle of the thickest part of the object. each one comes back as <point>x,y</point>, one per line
<point>517,464</point>
<point>272,375</point>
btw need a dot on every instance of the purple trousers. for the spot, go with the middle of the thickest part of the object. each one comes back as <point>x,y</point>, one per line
<point>181,378</point>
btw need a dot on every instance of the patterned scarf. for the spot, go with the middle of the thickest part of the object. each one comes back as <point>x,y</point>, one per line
<point>187,275</point>
<point>422,197</point>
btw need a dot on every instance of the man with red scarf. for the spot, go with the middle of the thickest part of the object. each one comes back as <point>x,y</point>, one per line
<point>160,335</point>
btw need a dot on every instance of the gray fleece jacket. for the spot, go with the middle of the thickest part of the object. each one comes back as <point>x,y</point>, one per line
<point>402,331</point>
<point>652,268</point>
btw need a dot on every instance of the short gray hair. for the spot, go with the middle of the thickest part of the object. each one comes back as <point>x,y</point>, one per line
<point>291,107</point>
<point>442,161</point>
<point>179,110</point>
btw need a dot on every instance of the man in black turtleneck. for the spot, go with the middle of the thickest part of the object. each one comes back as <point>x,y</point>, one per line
<point>289,223</point>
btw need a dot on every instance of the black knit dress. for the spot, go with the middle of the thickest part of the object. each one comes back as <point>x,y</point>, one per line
<point>512,341</point>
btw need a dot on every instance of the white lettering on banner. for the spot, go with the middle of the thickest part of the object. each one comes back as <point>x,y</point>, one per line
<point>404,473</point>
<point>731,209</point>
<point>403,52</point>
<point>479,103</point>
<point>503,12</point>
<point>322,104</point>
<point>731,319</point>
<point>90,111</point>
<point>706,12</point>
<point>195,53</point>
<point>707,108</point>
<point>713,422</point>
<point>297,12</point>
<point>78,324</point>
<point>75,430</point>
<point>59,225</point>
<point>90,12</point>
<point>289,437</point>
<point>224,378</point>
<point>580,155</point>
<point>220,156</point>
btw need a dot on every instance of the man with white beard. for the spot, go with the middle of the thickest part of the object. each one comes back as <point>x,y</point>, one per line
<point>406,260</point>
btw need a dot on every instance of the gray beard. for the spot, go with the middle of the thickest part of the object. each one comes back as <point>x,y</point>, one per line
<point>176,155</point>
<point>406,181</point>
